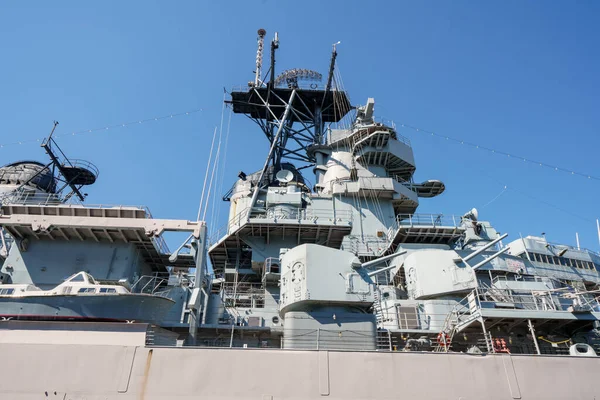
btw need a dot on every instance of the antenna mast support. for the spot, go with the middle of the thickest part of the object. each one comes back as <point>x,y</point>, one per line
<point>53,128</point>
<point>282,123</point>
<point>259,56</point>
<point>274,46</point>
<point>292,116</point>
<point>75,173</point>
<point>331,67</point>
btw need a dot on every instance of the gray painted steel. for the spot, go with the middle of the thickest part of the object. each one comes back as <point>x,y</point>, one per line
<point>121,372</point>
<point>127,307</point>
<point>423,306</point>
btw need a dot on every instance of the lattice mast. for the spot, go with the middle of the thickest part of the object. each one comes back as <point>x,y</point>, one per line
<point>292,108</point>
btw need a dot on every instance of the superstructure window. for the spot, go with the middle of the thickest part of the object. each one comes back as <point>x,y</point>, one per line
<point>569,262</point>
<point>87,290</point>
<point>6,292</point>
<point>108,290</point>
<point>556,260</point>
<point>563,261</point>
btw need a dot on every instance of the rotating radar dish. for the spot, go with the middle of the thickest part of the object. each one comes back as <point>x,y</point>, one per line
<point>284,176</point>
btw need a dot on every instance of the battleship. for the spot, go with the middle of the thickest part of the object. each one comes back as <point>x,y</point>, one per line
<point>335,289</point>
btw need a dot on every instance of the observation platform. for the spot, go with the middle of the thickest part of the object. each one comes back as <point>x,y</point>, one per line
<point>306,226</point>
<point>426,228</point>
<point>79,172</point>
<point>108,224</point>
<point>252,101</point>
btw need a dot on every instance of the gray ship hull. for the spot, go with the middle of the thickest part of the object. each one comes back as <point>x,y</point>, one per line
<point>121,372</point>
<point>130,307</point>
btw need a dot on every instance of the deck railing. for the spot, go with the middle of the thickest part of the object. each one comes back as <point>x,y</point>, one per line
<point>428,220</point>
<point>27,197</point>
<point>150,284</point>
<point>296,214</point>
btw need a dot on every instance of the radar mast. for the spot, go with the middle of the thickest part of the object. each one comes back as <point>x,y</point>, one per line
<point>73,174</point>
<point>291,108</point>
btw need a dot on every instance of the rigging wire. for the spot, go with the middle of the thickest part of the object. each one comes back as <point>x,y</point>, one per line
<point>495,151</point>
<point>222,178</point>
<point>344,109</point>
<point>552,205</point>
<point>201,205</point>
<point>337,110</point>
<point>105,128</point>
<point>529,196</point>
<point>212,176</point>
<point>495,198</point>
<point>217,165</point>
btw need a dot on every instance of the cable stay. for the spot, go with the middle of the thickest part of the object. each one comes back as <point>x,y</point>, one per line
<point>500,152</point>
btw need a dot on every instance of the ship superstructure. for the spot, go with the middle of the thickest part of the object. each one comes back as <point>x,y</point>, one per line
<point>363,188</point>
<point>448,283</point>
<point>324,282</point>
<point>63,260</point>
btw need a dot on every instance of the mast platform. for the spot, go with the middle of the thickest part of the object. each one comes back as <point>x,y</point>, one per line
<point>253,101</point>
<point>79,172</point>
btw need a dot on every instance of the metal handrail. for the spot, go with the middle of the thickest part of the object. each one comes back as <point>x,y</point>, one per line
<point>300,214</point>
<point>151,283</point>
<point>407,183</point>
<point>242,288</point>
<point>378,125</point>
<point>527,299</point>
<point>23,196</point>
<point>428,220</point>
<point>305,85</point>
<point>83,164</point>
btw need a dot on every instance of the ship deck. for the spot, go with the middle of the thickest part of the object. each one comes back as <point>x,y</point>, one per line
<point>99,224</point>
<point>328,233</point>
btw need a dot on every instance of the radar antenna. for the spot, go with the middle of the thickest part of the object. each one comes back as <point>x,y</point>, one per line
<point>292,76</point>
<point>74,174</point>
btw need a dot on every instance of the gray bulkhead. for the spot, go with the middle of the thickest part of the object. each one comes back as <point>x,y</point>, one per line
<point>46,263</point>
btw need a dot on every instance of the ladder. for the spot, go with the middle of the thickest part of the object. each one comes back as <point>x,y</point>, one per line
<point>377,306</point>
<point>496,294</point>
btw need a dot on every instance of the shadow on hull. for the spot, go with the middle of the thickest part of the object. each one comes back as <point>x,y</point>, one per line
<point>130,307</point>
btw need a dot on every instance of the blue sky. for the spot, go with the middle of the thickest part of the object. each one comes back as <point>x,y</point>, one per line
<point>517,76</point>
